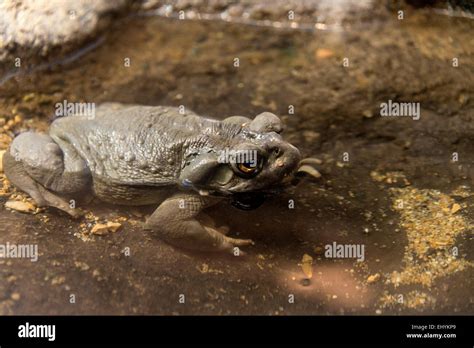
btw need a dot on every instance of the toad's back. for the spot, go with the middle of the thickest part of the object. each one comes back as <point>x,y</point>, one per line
<point>135,145</point>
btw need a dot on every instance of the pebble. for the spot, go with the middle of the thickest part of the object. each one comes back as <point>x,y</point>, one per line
<point>323,53</point>
<point>113,226</point>
<point>455,208</point>
<point>368,113</point>
<point>373,278</point>
<point>307,266</point>
<point>101,229</point>
<point>82,265</point>
<point>24,207</point>
<point>2,152</point>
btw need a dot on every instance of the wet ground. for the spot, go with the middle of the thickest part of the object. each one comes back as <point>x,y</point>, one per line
<point>398,186</point>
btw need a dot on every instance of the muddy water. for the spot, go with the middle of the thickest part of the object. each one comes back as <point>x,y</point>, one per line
<point>389,183</point>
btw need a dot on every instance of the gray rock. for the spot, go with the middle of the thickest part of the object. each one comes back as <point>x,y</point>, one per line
<point>32,29</point>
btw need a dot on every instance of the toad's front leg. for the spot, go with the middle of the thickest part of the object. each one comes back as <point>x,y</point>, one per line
<point>175,222</point>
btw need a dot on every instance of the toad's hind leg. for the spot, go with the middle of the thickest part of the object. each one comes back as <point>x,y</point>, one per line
<point>37,165</point>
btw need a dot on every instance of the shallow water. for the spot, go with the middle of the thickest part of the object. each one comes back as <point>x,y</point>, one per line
<point>336,118</point>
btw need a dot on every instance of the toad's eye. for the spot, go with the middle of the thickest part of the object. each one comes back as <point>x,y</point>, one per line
<point>247,168</point>
<point>247,164</point>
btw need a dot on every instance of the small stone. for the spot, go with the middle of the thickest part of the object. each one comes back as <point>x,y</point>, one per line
<point>204,268</point>
<point>2,152</point>
<point>373,278</point>
<point>319,250</point>
<point>28,97</point>
<point>58,280</point>
<point>307,266</point>
<point>100,229</point>
<point>82,265</point>
<point>113,226</point>
<point>15,296</point>
<point>323,53</point>
<point>368,113</point>
<point>24,207</point>
<point>234,11</point>
<point>456,207</point>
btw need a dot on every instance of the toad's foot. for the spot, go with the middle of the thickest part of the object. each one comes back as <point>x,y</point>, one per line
<point>227,243</point>
<point>175,222</point>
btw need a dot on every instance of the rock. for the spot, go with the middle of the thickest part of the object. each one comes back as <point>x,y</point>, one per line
<point>455,208</point>
<point>368,113</point>
<point>113,226</point>
<point>2,152</point>
<point>32,29</point>
<point>289,13</point>
<point>319,250</point>
<point>101,229</point>
<point>82,265</point>
<point>323,53</point>
<point>373,278</point>
<point>307,266</point>
<point>24,207</point>
<point>58,280</point>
